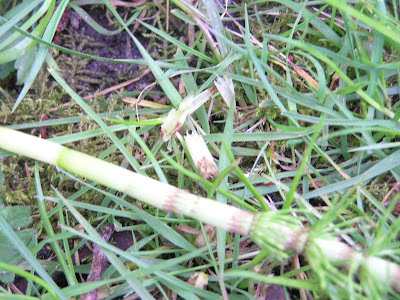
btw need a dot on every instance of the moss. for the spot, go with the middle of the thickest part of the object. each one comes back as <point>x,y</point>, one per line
<point>18,172</point>
<point>75,68</point>
<point>378,187</point>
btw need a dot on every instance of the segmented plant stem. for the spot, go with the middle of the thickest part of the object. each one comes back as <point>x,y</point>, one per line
<point>274,231</point>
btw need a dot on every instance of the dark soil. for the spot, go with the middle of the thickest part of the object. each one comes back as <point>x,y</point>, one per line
<point>87,76</point>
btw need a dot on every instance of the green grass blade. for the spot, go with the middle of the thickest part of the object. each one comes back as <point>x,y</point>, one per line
<point>114,260</point>
<point>70,276</point>
<point>29,276</point>
<point>330,34</point>
<point>43,50</point>
<point>378,26</point>
<point>284,281</point>
<point>179,44</point>
<point>53,71</point>
<point>154,222</point>
<point>293,187</point>
<point>48,6</point>
<point>260,70</point>
<point>164,82</point>
<point>389,163</point>
<point>224,163</point>
<point>25,252</point>
<point>216,24</point>
<point>17,14</point>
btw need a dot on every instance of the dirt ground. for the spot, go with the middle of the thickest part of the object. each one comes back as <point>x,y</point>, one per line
<point>88,76</point>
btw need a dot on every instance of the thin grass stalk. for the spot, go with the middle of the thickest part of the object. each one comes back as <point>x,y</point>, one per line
<point>62,257</point>
<point>15,241</point>
<point>30,276</point>
<point>277,231</point>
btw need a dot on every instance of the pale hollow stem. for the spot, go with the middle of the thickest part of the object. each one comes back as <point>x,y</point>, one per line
<point>277,233</point>
<point>142,188</point>
<point>384,271</point>
<point>270,230</point>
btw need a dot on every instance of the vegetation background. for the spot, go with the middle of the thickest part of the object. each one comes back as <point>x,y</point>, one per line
<point>311,131</point>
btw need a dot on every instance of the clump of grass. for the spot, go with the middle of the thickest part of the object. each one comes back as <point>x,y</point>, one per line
<point>326,82</point>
